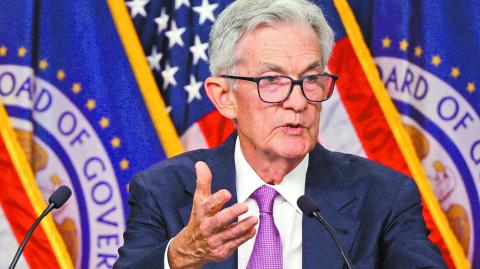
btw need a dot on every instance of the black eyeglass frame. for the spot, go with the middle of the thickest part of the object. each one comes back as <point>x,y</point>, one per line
<point>294,82</point>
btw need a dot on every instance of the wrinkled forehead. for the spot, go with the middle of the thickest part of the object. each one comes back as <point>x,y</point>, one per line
<point>274,44</point>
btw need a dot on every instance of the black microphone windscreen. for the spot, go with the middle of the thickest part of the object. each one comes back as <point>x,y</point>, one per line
<point>307,205</point>
<point>60,196</point>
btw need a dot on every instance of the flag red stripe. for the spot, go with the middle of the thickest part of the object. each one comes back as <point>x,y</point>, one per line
<point>370,124</point>
<point>21,215</point>
<point>362,107</point>
<point>215,128</point>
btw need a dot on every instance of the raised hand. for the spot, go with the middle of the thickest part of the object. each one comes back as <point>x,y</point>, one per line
<point>211,234</point>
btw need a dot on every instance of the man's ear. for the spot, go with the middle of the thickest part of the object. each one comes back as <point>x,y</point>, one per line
<point>219,92</point>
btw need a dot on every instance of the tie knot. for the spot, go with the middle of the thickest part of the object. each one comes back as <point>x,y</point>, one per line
<point>264,197</point>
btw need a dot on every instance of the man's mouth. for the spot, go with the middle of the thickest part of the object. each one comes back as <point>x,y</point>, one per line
<point>294,126</point>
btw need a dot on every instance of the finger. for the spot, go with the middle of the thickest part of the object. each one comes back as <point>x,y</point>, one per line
<point>204,180</point>
<point>233,231</point>
<point>234,243</point>
<point>240,228</point>
<point>215,202</point>
<point>220,220</point>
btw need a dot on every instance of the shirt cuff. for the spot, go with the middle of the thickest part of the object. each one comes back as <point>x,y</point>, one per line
<point>166,265</point>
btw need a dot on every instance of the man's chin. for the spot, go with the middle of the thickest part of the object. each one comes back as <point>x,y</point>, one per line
<point>295,150</point>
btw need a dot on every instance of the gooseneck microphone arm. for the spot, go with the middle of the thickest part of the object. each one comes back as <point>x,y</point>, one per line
<point>332,233</point>
<point>310,209</point>
<point>29,234</point>
<point>56,200</point>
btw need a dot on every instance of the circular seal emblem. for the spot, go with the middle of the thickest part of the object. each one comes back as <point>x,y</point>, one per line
<point>444,129</point>
<point>65,149</point>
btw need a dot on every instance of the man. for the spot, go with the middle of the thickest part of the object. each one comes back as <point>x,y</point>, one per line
<point>201,209</point>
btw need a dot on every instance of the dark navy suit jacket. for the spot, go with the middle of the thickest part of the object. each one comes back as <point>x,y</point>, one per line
<point>375,211</point>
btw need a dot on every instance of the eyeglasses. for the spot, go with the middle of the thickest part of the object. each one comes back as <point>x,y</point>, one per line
<point>276,89</point>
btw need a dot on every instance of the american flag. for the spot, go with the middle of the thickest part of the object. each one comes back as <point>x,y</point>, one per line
<point>174,36</point>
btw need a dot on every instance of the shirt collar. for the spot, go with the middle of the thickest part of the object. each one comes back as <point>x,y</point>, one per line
<point>247,181</point>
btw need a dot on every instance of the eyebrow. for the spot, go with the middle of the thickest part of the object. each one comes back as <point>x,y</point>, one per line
<point>313,65</point>
<point>277,68</point>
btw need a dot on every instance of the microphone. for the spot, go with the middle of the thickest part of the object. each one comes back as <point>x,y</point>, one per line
<point>310,209</point>
<point>59,197</point>
<point>56,200</point>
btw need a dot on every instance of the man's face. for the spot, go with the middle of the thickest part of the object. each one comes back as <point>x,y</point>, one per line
<point>288,129</point>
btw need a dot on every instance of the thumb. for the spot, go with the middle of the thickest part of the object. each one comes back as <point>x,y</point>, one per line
<point>204,180</point>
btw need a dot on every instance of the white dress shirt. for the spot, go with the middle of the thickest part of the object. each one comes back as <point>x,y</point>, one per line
<point>286,214</point>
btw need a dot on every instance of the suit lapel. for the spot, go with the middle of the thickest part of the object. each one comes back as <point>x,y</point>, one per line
<point>332,194</point>
<point>222,165</point>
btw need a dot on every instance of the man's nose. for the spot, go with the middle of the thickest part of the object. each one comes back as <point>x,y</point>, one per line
<point>296,100</point>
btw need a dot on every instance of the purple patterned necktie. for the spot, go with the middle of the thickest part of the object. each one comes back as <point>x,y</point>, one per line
<point>267,251</point>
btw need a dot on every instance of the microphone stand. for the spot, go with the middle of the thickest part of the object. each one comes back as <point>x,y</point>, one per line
<point>45,212</point>
<point>330,230</point>
<point>56,200</point>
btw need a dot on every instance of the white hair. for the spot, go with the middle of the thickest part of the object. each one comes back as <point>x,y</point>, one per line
<point>244,16</point>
